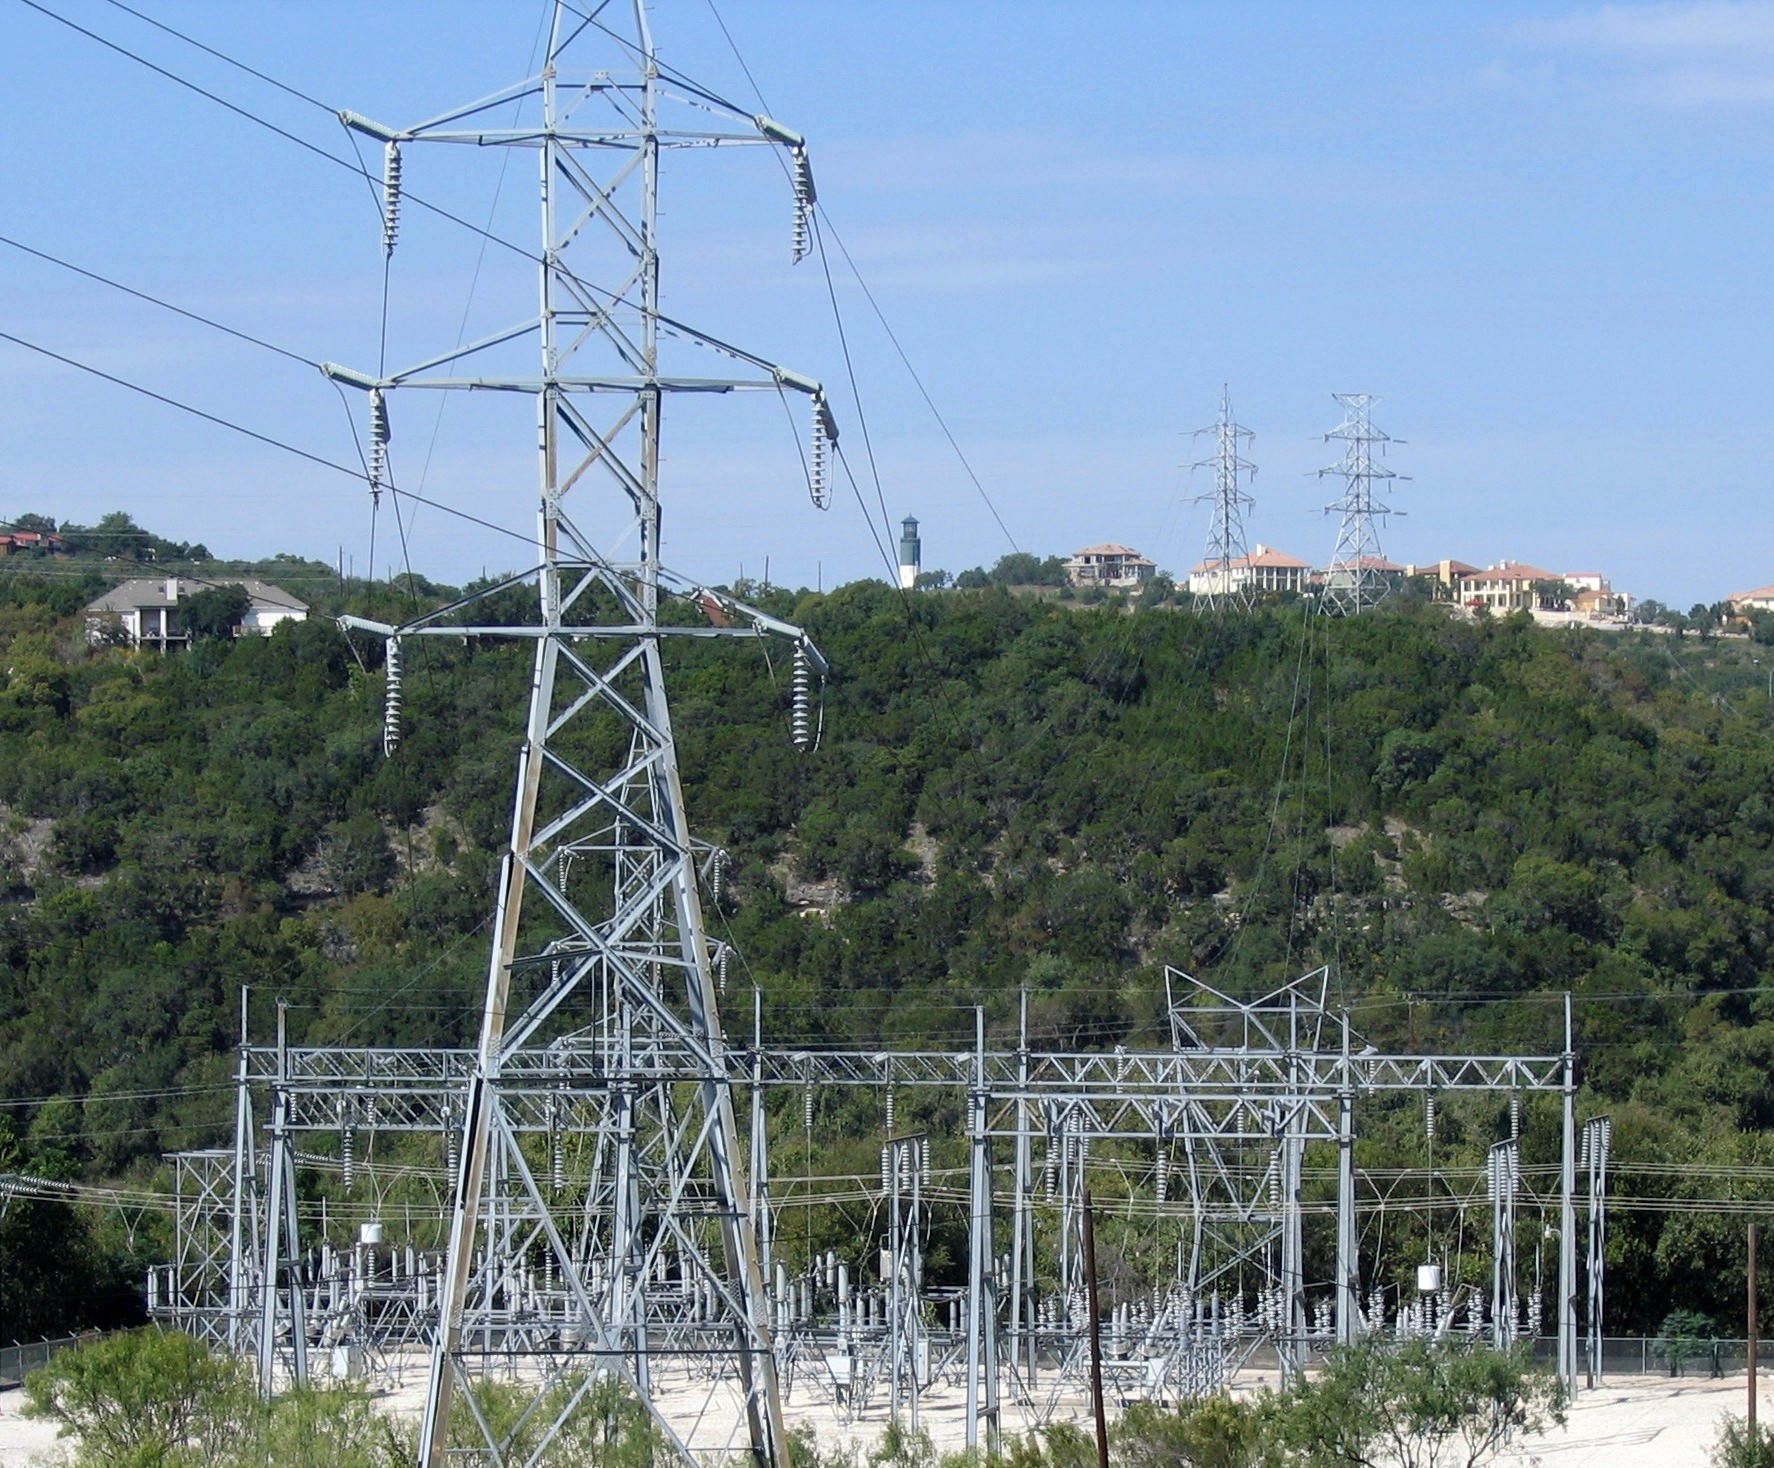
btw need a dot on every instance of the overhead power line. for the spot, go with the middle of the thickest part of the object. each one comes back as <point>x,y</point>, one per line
<point>349,165</point>
<point>253,433</point>
<point>183,407</point>
<point>222,56</point>
<point>154,300</point>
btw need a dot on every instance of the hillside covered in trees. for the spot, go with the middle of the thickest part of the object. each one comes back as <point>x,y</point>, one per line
<point>1464,820</point>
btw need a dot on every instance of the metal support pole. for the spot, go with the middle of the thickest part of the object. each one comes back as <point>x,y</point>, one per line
<point>1022,1236</point>
<point>981,1314</point>
<point>1348,1283</point>
<point>762,1224</point>
<point>1597,1138</point>
<point>240,1221</point>
<point>1096,1334</point>
<point>1567,1213</point>
<point>1291,1324</point>
<point>1753,1342</point>
<point>1504,1170</point>
<point>282,1243</point>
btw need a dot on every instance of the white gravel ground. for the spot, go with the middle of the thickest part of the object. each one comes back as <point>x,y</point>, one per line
<point>1633,1422</point>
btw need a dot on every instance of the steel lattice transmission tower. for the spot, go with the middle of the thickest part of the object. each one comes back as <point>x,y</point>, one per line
<point>1226,548</point>
<point>1356,578</point>
<point>634,1255</point>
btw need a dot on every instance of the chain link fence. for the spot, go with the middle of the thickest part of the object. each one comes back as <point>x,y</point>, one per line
<point>17,1362</point>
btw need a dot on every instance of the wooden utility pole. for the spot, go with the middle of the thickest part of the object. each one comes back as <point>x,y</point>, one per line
<point>1096,1335</point>
<point>1751,1416</point>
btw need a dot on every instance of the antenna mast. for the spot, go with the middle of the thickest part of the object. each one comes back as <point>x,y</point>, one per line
<point>634,1256</point>
<point>1227,553</point>
<point>1356,579</point>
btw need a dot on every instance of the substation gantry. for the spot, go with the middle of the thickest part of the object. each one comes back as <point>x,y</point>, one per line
<point>1233,1149</point>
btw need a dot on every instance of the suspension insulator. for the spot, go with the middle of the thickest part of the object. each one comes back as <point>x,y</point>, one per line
<point>557,1160</point>
<point>391,698</point>
<point>1163,1178</point>
<point>452,1153</point>
<point>1514,1115</point>
<point>348,1155</point>
<point>390,197</point>
<point>723,960</point>
<point>717,875</point>
<point>807,1107</point>
<point>802,172</point>
<point>1429,1115</point>
<point>819,453</point>
<point>886,1169</point>
<point>379,436</point>
<point>802,713</point>
<point>891,1099</point>
<point>924,1158</point>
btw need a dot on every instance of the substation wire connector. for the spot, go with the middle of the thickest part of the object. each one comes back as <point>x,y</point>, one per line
<point>392,698</point>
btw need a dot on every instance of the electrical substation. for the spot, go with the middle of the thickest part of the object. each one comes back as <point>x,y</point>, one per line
<point>1232,1153</point>
<point>615,1180</point>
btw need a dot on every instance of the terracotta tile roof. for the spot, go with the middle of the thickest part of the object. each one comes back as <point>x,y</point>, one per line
<point>1267,555</point>
<point>1264,556</point>
<point>1511,571</point>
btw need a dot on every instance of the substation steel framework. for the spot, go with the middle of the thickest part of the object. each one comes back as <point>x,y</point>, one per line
<point>599,928</point>
<point>1217,1128</point>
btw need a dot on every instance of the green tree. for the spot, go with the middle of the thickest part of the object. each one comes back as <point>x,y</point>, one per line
<point>1683,1336</point>
<point>1418,1404</point>
<point>1020,568</point>
<point>142,1399</point>
<point>1740,1446</point>
<point>214,612</point>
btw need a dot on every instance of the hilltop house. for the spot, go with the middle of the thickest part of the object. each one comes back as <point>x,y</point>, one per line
<point>145,609</point>
<point>1759,600</point>
<point>1507,586</point>
<point>1108,565</point>
<point>1264,570</point>
<point>27,542</point>
<point>1364,573</point>
<point>1445,574</point>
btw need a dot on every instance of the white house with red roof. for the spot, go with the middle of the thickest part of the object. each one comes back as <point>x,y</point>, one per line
<point>1264,570</point>
<point>1507,586</point>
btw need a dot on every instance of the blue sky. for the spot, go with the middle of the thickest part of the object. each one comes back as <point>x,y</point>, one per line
<point>1540,232</point>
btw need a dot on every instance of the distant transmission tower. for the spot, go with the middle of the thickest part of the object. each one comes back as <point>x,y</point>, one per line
<point>633,1255</point>
<point>1226,549</point>
<point>1358,576</point>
